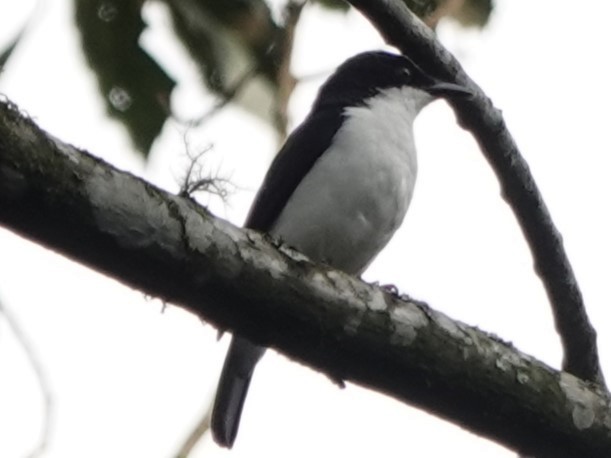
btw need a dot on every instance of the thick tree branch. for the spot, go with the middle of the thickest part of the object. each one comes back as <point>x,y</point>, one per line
<point>478,115</point>
<point>171,248</point>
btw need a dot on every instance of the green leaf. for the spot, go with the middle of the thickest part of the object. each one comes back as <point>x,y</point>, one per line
<point>136,89</point>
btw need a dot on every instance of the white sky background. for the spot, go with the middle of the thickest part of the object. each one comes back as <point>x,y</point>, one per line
<point>128,381</point>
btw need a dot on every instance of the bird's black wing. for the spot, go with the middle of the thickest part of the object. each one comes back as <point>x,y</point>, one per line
<point>299,153</point>
<point>301,150</point>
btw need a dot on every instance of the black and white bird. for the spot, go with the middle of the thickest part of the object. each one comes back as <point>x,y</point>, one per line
<point>339,188</point>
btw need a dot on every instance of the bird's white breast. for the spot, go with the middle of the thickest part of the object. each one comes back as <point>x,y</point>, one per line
<point>356,195</point>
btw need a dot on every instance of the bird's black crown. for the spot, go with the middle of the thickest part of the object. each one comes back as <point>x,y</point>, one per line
<point>365,75</point>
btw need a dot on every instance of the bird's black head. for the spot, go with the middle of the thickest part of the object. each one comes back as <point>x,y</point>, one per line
<point>365,75</point>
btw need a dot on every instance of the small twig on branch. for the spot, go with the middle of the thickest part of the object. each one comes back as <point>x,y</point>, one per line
<point>23,340</point>
<point>196,179</point>
<point>478,115</point>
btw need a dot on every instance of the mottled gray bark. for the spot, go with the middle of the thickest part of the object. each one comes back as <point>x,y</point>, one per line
<point>170,247</point>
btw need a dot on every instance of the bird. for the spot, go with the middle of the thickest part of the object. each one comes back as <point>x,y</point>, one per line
<point>339,187</point>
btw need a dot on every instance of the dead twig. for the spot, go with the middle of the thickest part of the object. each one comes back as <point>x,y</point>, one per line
<point>196,179</point>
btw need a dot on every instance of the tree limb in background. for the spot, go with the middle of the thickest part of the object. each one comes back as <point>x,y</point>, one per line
<point>202,426</point>
<point>171,248</point>
<point>228,95</point>
<point>285,79</point>
<point>47,419</point>
<point>7,49</point>
<point>478,115</point>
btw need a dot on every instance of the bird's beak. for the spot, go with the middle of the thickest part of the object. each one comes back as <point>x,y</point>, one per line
<point>443,89</point>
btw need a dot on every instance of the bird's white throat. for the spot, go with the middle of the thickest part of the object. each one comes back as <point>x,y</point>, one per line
<point>357,193</point>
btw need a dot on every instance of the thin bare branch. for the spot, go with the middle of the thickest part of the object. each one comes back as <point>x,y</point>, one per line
<point>284,77</point>
<point>39,372</point>
<point>200,429</point>
<point>478,115</point>
<point>228,96</point>
<point>197,179</point>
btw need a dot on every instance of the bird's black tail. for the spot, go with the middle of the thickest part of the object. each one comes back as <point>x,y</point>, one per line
<point>240,363</point>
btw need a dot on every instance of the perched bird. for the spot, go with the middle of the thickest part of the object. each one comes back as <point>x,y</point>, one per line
<point>339,187</point>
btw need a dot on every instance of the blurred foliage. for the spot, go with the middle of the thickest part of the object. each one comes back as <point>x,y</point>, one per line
<point>136,89</point>
<point>423,8</point>
<point>339,5</point>
<point>240,46</point>
<point>474,13</point>
<point>227,38</point>
<point>200,24</point>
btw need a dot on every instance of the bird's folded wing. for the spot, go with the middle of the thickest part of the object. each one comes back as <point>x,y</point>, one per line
<point>301,150</point>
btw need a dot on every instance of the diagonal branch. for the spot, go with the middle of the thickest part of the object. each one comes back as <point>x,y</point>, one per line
<point>169,247</point>
<point>478,115</point>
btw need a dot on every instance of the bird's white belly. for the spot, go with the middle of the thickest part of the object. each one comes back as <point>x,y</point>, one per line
<point>356,195</point>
